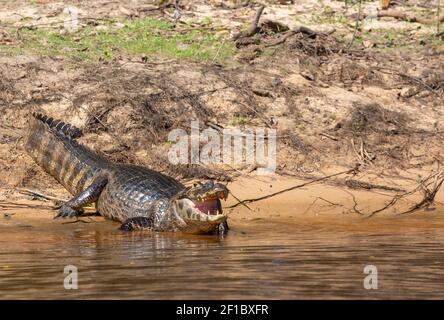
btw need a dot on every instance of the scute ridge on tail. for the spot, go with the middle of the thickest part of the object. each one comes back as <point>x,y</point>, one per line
<point>59,127</point>
<point>53,146</point>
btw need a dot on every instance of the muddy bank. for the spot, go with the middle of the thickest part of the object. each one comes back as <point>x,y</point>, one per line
<point>316,203</point>
<point>333,105</point>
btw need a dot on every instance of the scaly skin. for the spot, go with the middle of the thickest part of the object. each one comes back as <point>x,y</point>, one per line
<point>140,198</point>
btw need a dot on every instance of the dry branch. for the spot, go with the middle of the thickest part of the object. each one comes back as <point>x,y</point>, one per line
<point>355,169</point>
<point>356,184</point>
<point>429,194</point>
<point>409,78</point>
<point>355,31</point>
<point>401,15</point>
<point>253,28</point>
<point>290,33</point>
<point>40,195</point>
<point>328,136</point>
<point>14,205</point>
<point>325,200</point>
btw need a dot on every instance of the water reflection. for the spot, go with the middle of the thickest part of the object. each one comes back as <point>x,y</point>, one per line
<point>259,259</point>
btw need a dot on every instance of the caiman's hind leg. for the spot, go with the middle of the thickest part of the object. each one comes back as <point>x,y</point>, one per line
<point>73,208</point>
<point>137,223</point>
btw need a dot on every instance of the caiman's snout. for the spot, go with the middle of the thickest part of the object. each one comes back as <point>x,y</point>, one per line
<point>201,208</point>
<point>194,217</point>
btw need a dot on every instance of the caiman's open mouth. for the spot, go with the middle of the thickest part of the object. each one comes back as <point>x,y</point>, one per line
<point>210,205</point>
<point>202,212</point>
<point>199,207</point>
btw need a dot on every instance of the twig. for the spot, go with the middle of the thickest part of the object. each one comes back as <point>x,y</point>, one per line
<point>218,50</point>
<point>400,15</point>
<point>428,199</point>
<point>429,196</point>
<point>356,26</point>
<point>246,206</point>
<point>282,38</point>
<point>410,78</point>
<point>355,203</point>
<point>356,184</point>
<point>161,7</point>
<point>331,203</point>
<point>14,205</point>
<point>294,187</point>
<point>359,153</point>
<point>80,220</point>
<point>325,200</point>
<point>328,136</point>
<point>311,205</point>
<point>253,28</point>
<point>39,194</point>
<point>309,32</point>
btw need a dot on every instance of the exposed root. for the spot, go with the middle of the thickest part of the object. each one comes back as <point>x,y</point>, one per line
<point>429,191</point>
<point>429,187</point>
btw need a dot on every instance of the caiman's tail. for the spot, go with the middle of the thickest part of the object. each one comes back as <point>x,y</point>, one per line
<point>52,145</point>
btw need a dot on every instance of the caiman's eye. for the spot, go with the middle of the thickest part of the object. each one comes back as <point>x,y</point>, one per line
<point>197,184</point>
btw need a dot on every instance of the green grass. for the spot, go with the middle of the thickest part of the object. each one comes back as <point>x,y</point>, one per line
<point>238,120</point>
<point>386,38</point>
<point>145,36</point>
<point>328,16</point>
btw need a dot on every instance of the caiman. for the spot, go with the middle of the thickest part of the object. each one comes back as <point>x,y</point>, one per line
<point>139,197</point>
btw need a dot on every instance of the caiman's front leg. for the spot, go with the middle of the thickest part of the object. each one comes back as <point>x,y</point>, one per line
<point>73,207</point>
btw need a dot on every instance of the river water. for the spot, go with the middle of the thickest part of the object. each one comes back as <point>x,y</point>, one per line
<point>278,259</point>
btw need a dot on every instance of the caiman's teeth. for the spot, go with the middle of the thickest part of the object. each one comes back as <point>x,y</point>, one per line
<point>219,218</point>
